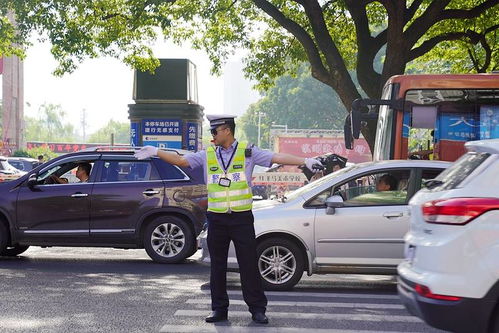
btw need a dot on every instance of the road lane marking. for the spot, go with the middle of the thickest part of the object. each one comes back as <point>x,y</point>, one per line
<point>312,316</point>
<point>310,304</point>
<point>323,295</point>
<point>254,329</point>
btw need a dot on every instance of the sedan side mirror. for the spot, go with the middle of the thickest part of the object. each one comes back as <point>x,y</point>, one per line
<point>333,202</point>
<point>33,180</point>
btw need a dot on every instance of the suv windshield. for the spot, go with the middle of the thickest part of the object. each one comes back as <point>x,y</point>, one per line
<point>457,172</point>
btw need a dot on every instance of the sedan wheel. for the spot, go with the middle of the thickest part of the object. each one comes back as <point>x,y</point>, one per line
<point>12,251</point>
<point>168,239</point>
<point>280,263</point>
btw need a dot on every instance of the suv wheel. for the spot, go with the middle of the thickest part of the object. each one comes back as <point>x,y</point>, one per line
<point>280,263</point>
<point>168,240</point>
<point>4,236</point>
<point>12,251</point>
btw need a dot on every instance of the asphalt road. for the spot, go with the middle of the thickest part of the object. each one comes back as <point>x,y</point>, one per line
<point>111,290</point>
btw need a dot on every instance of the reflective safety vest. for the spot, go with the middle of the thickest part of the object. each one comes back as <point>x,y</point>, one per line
<point>236,195</point>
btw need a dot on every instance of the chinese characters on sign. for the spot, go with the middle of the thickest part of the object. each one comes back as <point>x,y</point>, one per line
<point>279,178</point>
<point>162,133</point>
<point>315,146</point>
<point>192,136</point>
<point>62,148</point>
<point>134,137</point>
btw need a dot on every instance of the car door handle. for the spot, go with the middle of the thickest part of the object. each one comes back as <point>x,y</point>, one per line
<point>150,192</point>
<point>393,214</point>
<point>79,195</point>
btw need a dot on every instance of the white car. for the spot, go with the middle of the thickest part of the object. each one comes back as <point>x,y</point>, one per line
<point>8,172</point>
<point>450,277</point>
<point>339,223</point>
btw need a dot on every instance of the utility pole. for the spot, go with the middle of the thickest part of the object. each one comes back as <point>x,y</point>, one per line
<point>83,122</point>
<point>259,126</point>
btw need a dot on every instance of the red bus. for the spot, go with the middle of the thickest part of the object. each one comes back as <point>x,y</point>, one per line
<point>429,116</point>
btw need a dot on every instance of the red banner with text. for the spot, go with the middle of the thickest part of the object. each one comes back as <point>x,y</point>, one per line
<point>315,146</point>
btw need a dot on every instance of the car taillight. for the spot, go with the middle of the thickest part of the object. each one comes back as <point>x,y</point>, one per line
<point>457,211</point>
<point>426,292</point>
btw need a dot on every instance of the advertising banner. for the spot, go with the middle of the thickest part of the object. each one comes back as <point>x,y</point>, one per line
<point>457,127</point>
<point>489,122</point>
<point>315,146</point>
<point>279,178</point>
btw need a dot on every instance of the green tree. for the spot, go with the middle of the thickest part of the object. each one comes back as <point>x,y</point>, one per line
<point>49,126</point>
<point>121,131</point>
<point>333,36</point>
<point>298,102</point>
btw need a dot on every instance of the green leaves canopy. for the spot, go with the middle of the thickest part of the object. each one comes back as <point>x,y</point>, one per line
<point>334,36</point>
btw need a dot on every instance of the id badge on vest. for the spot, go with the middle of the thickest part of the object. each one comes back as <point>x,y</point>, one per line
<point>224,181</point>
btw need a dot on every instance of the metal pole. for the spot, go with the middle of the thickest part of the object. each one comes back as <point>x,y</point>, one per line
<point>259,125</point>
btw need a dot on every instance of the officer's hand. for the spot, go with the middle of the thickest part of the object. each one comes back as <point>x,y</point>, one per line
<point>313,164</point>
<point>145,152</point>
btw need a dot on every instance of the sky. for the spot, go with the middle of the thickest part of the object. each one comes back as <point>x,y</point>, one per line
<point>103,87</point>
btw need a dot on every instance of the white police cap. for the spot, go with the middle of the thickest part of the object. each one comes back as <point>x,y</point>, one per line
<point>220,119</point>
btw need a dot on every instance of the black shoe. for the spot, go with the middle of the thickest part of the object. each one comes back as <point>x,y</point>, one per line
<point>217,315</point>
<point>260,318</point>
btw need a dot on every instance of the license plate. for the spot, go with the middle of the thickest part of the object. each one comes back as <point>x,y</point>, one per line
<point>410,254</point>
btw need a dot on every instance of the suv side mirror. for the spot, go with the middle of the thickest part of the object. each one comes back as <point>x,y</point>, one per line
<point>32,181</point>
<point>333,202</point>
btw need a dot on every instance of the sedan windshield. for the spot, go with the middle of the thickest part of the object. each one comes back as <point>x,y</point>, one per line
<point>317,183</point>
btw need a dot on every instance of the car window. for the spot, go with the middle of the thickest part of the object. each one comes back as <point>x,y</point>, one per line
<point>123,171</point>
<point>17,164</point>
<point>319,182</point>
<point>170,172</point>
<point>457,172</point>
<point>429,174</point>
<point>5,166</point>
<point>64,173</point>
<point>379,188</point>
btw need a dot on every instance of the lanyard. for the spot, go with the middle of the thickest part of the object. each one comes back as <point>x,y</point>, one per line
<point>230,159</point>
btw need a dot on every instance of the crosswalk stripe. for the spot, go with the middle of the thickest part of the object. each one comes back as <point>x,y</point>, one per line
<point>253,329</point>
<point>310,304</point>
<point>323,295</point>
<point>315,316</point>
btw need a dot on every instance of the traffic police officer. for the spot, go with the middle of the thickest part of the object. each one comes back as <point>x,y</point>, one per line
<point>228,166</point>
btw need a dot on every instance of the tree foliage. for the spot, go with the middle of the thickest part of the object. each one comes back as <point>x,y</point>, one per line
<point>334,36</point>
<point>298,102</point>
<point>121,131</point>
<point>49,126</point>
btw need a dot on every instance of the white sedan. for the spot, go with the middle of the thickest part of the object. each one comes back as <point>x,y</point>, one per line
<point>340,223</point>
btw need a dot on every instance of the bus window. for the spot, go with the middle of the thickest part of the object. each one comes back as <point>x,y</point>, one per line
<point>439,131</point>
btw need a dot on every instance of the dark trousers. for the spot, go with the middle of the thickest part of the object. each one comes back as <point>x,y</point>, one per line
<point>238,228</point>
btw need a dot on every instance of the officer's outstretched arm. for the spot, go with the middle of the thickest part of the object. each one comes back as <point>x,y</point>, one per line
<point>172,158</point>
<point>287,159</point>
<point>311,163</point>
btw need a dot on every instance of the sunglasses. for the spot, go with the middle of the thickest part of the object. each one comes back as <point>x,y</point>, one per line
<point>214,131</point>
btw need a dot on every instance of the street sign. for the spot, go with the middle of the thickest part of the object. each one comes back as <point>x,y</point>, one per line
<point>134,137</point>
<point>162,133</point>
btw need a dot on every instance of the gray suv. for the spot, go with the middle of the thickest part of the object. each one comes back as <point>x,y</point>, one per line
<point>126,203</point>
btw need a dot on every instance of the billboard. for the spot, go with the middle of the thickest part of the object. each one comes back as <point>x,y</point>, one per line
<point>315,146</point>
